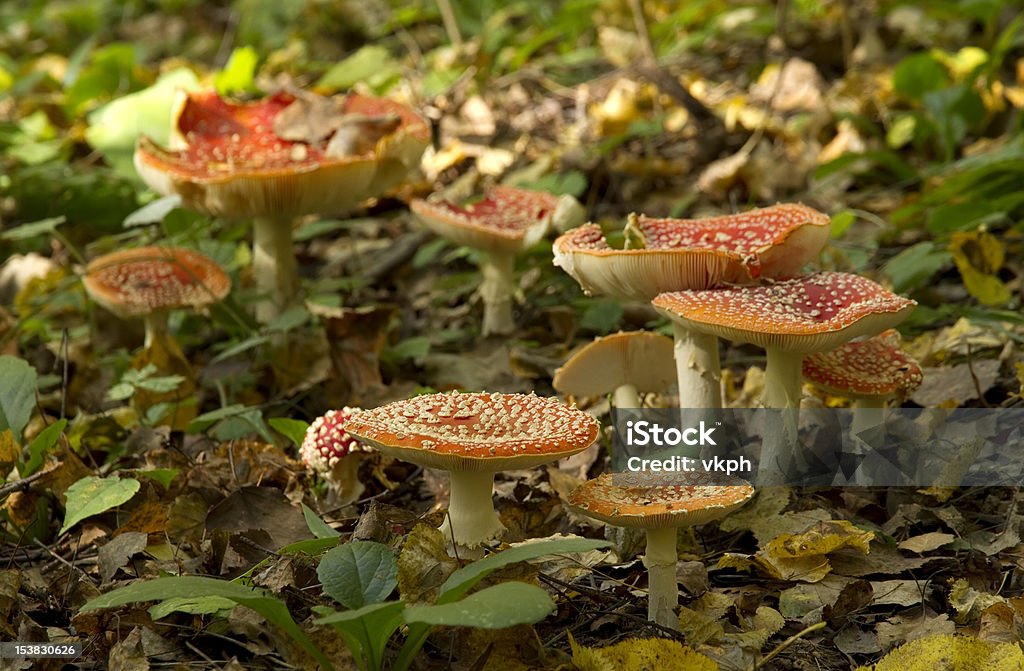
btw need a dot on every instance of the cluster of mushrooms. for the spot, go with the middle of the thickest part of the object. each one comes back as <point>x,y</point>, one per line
<point>734,277</point>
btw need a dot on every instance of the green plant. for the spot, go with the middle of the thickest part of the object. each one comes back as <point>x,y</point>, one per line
<point>361,575</point>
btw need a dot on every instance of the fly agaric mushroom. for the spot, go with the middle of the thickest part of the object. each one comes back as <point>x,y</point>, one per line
<point>472,436</point>
<point>660,503</point>
<point>149,282</point>
<point>330,449</point>
<point>680,254</point>
<point>869,372</point>
<point>502,225</point>
<point>236,160</point>
<point>620,364</point>
<point>789,318</point>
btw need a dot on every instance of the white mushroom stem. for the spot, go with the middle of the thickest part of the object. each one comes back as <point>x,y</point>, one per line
<point>343,480</point>
<point>663,589</point>
<point>498,290</point>
<point>868,412</point>
<point>697,369</point>
<point>471,519</point>
<point>274,267</point>
<point>156,329</point>
<point>626,396</point>
<point>782,390</point>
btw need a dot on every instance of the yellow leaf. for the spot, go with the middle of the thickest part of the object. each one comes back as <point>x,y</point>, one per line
<point>9,451</point>
<point>635,654</point>
<point>423,564</point>
<point>822,538</point>
<point>978,256</point>
<point>953,653</point>
<point>968,602</point>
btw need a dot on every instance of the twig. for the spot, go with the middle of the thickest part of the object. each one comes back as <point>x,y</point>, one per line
<point>22,484</point>
<point>788,642</point>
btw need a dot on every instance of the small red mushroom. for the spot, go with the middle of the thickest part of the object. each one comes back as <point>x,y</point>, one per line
<point>869,372</point>
<point>506,222</point>
<point>149,282</point>
<point>331,450</point>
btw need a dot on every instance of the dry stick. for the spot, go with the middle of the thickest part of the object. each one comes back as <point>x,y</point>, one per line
<point>788,642</point>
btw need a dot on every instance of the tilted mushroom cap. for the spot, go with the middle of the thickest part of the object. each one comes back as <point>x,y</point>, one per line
<point>874,367</point>
<point>639,358</point>
<point>507,219</point>
<point>136,282</point>
<point>659,500</point>
<point>327,441</point>
<point>477,431</point>
<point>226,160</point>
<point>694,253</point>
<point>813,313</point>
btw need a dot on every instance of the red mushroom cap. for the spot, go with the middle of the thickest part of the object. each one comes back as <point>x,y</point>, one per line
<point>659,500</point>
<point>476,431</point>
<point>136,282</point>
<point>226,159</point>
<point>869,368</point>
<point>694,253</point>
<point>506,219</point>
<point>813,313</point>
<point>327,441</point>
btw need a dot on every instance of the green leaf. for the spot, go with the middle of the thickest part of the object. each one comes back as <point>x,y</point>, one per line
<point>372,64</point>
<point>601,314</point>
<point>292,429</point>
<point>409,349</point>
<point>154,212</point>
<point>358,573</point>
<point>503,605</point>
<point>237,76</point>
<point>194,587</point>
<point>912,267</point>
<point>918,74</point>
<point>42,444</point>
<point>465,578</point>
<point>164,476</point>
<point>196,605</point>
<point>317,526</point>
<point>17,394</point>
<point>34,229</point>
<point>114,128</point>
<point>92,496</point>
<point>841,222</point>
<point>367,630</point>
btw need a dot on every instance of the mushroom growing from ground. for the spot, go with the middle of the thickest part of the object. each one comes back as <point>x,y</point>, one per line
<point>660,503</point>
<point>330,449</point>
<point>869,372</point>
<point>472,436</point>
<point>506,222</point>
<point>788,318</point>
<point>277,158</point>
<point>679,254</point>
<point>621,364</point>
<point>149,282</point>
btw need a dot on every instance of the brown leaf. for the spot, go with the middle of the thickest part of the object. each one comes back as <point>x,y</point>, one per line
<point>263,509</point>
<point>186,517</point>
<point>912,626</point>
<point>128,655</point>
<point>118,551</point>
<point>926,542</point>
